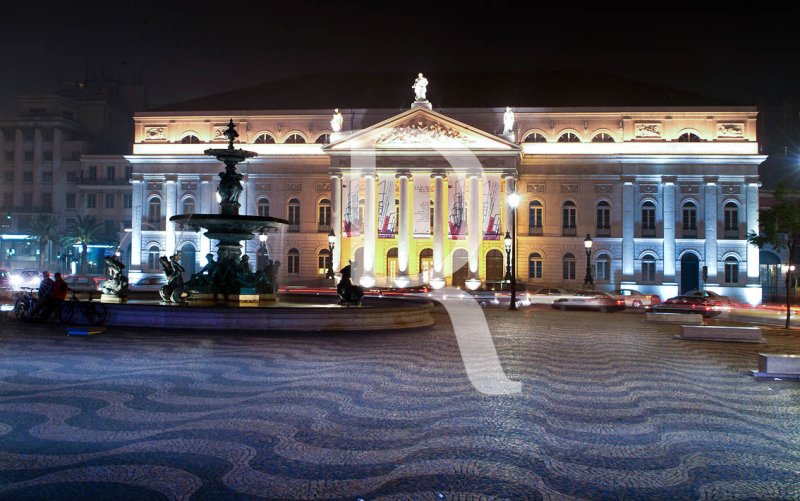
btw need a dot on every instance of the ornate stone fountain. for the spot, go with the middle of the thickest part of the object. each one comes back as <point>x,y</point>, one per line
<point>230,275</point>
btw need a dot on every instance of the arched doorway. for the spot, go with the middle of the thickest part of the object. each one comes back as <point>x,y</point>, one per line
<point>690,272</point>
<point>188,259</point>
<point>425,266</point>
<point>391,265</point>
<point>494,266</point>
<point>460,267</point>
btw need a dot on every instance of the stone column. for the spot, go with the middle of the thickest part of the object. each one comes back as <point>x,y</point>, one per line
<point>438,228</point>
<point>336,219</point>
<point>170,194</point>
<point>751,214</point>
<point>403,229</point>
<point>205,203</point>
<point>137,203</point>
<point>710,206</point>
<point>370,230</point>
<point>668,219</point>
<point>474,227</point>
<point>628,218</point>
<point>509,187</point>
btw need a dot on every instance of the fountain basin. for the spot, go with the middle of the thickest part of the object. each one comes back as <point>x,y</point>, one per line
<point>229,227</point>
<point>292,313</point>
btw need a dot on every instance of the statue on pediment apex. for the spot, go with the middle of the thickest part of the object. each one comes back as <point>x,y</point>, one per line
<point>420,87</point>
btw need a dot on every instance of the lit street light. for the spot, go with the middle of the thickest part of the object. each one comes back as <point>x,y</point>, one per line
<point>588,280</point>
<point>331,244</point>
<point>507,241</point>
<point>513,202</point>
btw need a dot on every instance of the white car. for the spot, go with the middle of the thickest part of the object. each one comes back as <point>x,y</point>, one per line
<point>548,295</point>
<point>636,299</point>
<point>152,283</point>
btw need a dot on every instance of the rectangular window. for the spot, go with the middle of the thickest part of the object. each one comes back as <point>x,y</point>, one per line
<point>109,200</point>
<point>127,200</point>
<point>91,201</point>
<point>731,272</point>
<point>569,269</point>
<point>294,263</point>
<point>9,134</point>
<point>128,171</point>
<point>111,172</point>
<point>601,270</point>
<point>47,177</point>
<point>71,201</point>
<point>72,177</point>
<point>648,271</point>
<point>535,268</point>
<point>27,134</point>
<point>93,172</point>
<point>9,156</point>
<point>27,177</point>
<point>27,156</point>
<point>47,134</point>
<point>689,218</point>
<point>324,215</point>
<point>648,218</point>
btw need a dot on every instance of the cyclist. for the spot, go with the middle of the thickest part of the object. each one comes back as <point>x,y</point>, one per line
<point>56,298</point>
<point>43,295</point>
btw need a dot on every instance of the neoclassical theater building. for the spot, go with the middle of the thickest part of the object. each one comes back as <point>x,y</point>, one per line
<point>418,194</point>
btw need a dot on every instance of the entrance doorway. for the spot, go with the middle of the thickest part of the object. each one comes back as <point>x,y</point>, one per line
<point>460,268</point>
<point>494,266</point>
<point>690,272</point>
<point>391,266</point>
<point>425,266</point>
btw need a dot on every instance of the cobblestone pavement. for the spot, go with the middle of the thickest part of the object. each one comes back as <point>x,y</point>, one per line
<point>611,408</point>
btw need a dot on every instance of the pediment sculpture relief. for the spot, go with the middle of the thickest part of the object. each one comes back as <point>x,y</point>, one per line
<point>423,131</point>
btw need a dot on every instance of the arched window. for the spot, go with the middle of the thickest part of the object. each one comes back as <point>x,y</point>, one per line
<point>602,268</point>
<point>293,214</point>
<point>265,139</point>
<point>263,207</point>
<point>293,261</point>
<point>603,219</point>
<point>603,137</point>
<point>688,137</point>
<point>569,137</point>
<point>323,261</point>
<point>190,139</point>
<point>569,219</point>
<point>535,266</point>
<point>648,269</point>
<point>731,220</point>
<point>689,220</point>
<point>188,205</point>
<point>154,211</point>
<point>295,139</point>
<point>731,270</point>
<point>323,139</point>
<point>324,215</point>
<point>153,254</point>
<point>535,218</point>
<point>534,137</point>
<point>568,267</point>
<point>648,219</point>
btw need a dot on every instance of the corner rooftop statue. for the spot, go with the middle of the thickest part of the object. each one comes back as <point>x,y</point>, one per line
<point>230,275</point>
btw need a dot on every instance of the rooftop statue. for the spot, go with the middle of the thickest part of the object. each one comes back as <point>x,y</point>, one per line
<point>508,121</point>
<point>336,121</point>
<point>420,87</point>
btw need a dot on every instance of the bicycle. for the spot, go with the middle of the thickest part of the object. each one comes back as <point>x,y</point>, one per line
<point>93,312</point>
<point>25,304</point>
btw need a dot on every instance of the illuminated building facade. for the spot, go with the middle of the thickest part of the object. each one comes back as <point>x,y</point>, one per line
<point>667,194</point>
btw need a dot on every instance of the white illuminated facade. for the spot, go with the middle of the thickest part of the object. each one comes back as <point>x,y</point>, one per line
<point>667,194</point>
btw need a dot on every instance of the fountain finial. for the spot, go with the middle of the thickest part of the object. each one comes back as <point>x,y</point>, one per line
<point>231,134</point>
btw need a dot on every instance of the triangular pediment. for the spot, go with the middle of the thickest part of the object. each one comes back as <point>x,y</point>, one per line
<point>422,129</point>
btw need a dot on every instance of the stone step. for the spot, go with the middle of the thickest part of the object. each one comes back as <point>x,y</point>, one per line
<point>721,333</point>
<point>778,365</point>
<point>673,318</point>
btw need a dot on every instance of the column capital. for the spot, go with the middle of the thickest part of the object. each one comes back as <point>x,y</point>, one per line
<point>711,180</point>
<point>669,179</point>
<point>136,179</point>
<point>206,178</point>
<point>752,181</point>
<point>403,173</point>
<point>335,174</point>
<point>628,179</point>
<point>369,174</point>
<point>510,175</point>
<point>171,178</point>
<point>438,173</point>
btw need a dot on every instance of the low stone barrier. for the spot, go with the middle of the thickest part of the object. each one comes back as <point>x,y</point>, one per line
<point>721,333</point>
<point>778,365</point>
<point>673,318</point>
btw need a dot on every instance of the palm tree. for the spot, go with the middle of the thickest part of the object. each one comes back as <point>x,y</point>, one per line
<point>43,229</point>
<point>84,231</point>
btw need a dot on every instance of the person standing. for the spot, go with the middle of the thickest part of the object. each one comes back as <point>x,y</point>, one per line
<point>43,294</point>
<point>57,296</point>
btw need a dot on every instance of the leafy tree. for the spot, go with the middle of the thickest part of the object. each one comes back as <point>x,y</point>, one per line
<point>780,228</point>
<point>85,230</point>
<point>43,228</point>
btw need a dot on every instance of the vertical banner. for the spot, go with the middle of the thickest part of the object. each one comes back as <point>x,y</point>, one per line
<point>351,223</point>
<point>491,207</point>
<point>456,206</point>
<point>387,213</point>
<point>422,206</point>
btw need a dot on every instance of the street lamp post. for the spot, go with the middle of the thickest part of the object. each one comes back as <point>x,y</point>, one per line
<point>513,202</point>
<point>263,254</point>
<point>507,241</point>
<point>331,244</point>
<point>587,243</point>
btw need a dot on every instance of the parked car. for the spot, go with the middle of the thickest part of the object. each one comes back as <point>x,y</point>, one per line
<point>687,304</point>
<point>24,278</point>
<point>82,283</point>
<point>589,300</point>
<point>547,295</point>
<point>499,294</point>
<point>151,283</point>
<point>720,299</point>
<point>636,299</point>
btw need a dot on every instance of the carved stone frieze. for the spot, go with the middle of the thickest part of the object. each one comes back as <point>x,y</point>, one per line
<point>734,130</point>
<point>293,187</point>
<point>569,188</point>
<point>690,188</point>
<point>647,130</point>
<point>648,188</point>
<point>323,186</point>
<point>536,187</point>
<point>731,189</point>
<point>156,133</point>
<point>603,188</point>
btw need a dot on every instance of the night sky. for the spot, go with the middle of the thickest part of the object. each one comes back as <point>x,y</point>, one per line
<point>182,50</point>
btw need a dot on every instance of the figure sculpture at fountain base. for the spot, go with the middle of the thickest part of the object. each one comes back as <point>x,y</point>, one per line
<point>174,291</point>
<point>349,294</point>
